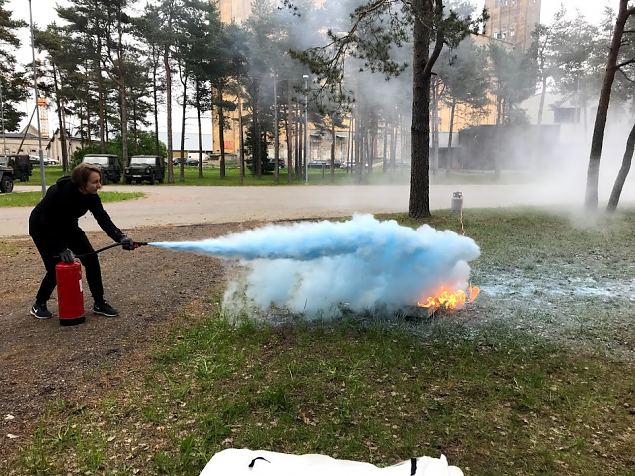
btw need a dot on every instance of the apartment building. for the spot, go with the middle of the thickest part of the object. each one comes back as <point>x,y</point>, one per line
<point>512,21</point>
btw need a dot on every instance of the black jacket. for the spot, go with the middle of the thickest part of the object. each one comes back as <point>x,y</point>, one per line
<point>57,214</point>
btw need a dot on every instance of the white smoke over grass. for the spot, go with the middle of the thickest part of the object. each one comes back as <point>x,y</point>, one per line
<point>318,268</point>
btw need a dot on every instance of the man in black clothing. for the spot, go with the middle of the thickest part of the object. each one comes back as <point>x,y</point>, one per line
<point>54,227</point>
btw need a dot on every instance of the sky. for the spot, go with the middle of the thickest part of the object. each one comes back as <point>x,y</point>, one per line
<point>44,13</point>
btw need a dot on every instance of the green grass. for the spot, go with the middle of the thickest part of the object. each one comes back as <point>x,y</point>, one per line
<point>29,199</point>
<point>496,403</point>
<point>211,177</point>
<point>500,388</point>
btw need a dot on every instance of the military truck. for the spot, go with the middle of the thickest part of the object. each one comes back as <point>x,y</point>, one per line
<point>6,179</point>
<point>109,165</point>
<point>150,168</point>
<point>21,165</point>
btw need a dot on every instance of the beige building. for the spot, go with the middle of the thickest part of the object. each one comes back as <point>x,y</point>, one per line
<point>512,21</point>
<point>23,142</point>
<point>234,10</point>
<point>54,146</point>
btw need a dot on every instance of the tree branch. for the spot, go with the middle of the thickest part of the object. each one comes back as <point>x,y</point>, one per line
<point>438,46</point>
<point>626,76</point>
<point>626,63</point>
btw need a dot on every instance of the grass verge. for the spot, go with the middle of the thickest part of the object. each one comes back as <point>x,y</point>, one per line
<point>496,388</point>
<point>29,199</point>
<point>316,177</point>
<point>499,402</point>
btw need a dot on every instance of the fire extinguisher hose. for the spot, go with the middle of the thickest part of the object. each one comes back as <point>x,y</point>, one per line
<point>135,245</point>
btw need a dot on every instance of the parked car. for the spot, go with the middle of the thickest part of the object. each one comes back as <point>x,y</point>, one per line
<point>21,165</point>
<point>186,160</point>
<point>6,179</point>
<point>272,164</point>
<point>109,165</point>
<point>35,160</point>
<point>149,168</point>
<point>318,164</point>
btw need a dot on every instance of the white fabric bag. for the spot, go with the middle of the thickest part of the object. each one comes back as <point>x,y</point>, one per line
<point>245,462</point>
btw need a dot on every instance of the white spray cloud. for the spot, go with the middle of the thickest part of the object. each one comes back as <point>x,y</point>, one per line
<point>314,268</point>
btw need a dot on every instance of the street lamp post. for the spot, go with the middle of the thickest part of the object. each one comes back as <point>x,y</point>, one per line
<point>307,156</point>
<point>37,108</point>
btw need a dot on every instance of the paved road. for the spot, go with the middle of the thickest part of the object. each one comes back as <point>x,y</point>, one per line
<point>179,205</point>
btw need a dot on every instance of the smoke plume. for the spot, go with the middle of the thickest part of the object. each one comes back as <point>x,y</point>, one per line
<point>363,264</point>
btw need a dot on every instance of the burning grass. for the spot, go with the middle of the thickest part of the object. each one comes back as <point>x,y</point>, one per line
<point>533,377</point>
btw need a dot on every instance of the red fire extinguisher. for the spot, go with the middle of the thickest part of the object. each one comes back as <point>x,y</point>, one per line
<point>70,295</point>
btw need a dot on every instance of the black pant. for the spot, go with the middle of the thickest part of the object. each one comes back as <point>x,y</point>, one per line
<point>78,243</point>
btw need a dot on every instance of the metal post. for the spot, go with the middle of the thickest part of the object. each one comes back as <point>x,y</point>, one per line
<point>306,128</point>
<point>37,109</point>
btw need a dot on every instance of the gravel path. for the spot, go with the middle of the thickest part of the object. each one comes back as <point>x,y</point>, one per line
<point>186,205</point>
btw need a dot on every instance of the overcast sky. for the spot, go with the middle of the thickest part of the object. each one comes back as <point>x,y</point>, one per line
<point>44,13</point>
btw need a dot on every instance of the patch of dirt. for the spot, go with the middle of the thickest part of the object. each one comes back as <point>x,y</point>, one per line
<point>41,361</point>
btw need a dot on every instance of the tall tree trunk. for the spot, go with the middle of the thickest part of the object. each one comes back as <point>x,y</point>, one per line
<point>184,79</point>
<point>450,156</point>
<point>88,125</point>
<point>349,144</point>
<point>543,93</point>
<point>66,166</point>
<point>333,138</point>
<point>393,145</point>
<point>591,198</point>
<point>385,146</point>
<point>155,108</point>
<point>623,173</point>
<point>423,62</point>
<point>276,130</point>
<point>298,132</point>
<point>287,132</point>
<point>221,131</point>
<point>256,136</point>
<point>135,136</point>
<point>122,93</point>
<point>241,141</point>
<point>102,101</point>
<point>200,128</point>
<point>168,100</point>
<point>435,127</point>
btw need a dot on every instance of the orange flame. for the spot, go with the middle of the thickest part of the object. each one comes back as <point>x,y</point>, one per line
<point>450,299</point>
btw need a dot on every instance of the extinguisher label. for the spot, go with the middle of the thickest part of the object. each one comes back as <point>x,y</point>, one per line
<point>81,289</point>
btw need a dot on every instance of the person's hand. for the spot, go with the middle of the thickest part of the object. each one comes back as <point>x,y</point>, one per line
<point>67,256</point>
<point>127,243</point>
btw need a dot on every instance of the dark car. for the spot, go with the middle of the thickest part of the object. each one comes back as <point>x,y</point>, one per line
<point>6,179</point>
<point>271,165</point>
<point>109,165</point>
<point>150,168</point>
<point>186,160</point>
<point>21,165</point>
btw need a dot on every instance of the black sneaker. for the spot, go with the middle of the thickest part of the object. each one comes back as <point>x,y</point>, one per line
<point>40,311</point>
<point>105,309</point>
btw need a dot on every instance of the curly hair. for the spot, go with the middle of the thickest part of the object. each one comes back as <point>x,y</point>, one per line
<point>82,172</point>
